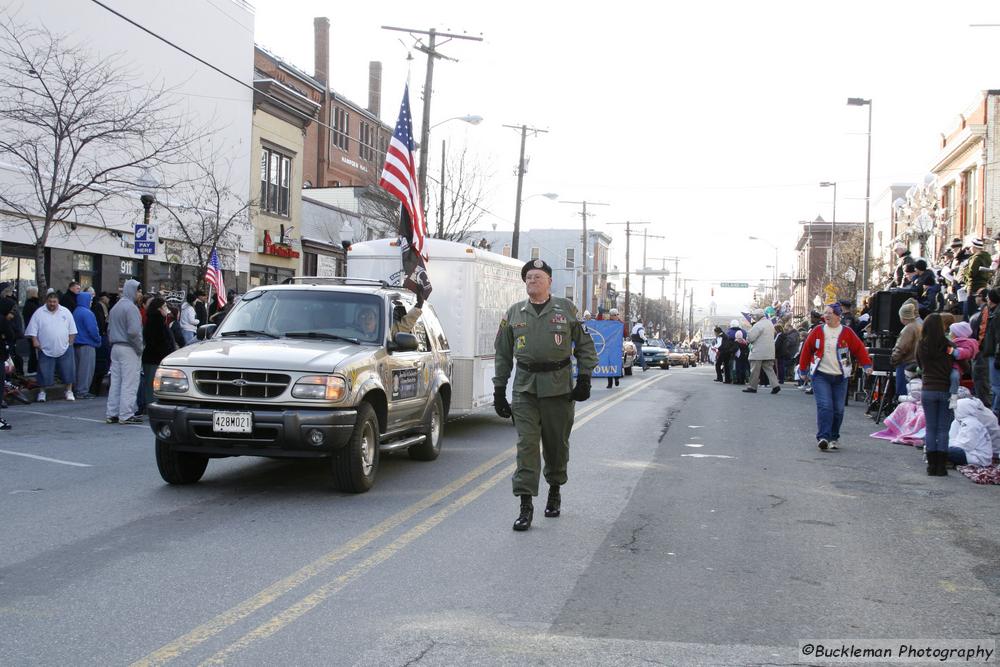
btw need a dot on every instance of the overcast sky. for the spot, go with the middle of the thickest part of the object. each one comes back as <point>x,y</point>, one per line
<point>712,120</point>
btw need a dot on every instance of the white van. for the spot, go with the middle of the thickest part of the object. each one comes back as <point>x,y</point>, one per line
<point>472,289</point>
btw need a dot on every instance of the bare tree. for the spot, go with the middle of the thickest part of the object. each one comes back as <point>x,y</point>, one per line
<point>205,212</point>
<point>850,252</point>
<point>465,188</point>
<point>76,130</point>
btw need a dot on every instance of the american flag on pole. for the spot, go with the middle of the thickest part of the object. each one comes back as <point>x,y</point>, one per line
<point>399,178</point>
<point>213,276</point>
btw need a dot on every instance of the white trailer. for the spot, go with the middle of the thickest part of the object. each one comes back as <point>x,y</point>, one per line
<point>472,289</point>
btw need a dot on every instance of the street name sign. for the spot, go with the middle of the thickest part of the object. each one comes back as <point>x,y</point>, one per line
<point>736,285</point>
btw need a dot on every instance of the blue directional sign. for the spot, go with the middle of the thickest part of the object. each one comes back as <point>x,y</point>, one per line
<point>144,248</point>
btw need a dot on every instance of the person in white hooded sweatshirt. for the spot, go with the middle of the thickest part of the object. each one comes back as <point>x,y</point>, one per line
<point>125,335</point>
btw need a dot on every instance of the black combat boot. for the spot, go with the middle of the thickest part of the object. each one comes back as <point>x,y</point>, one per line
<point>554,502</point>
<point>527,513</point>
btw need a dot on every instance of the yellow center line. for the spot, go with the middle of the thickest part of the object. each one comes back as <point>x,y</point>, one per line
<point>268,595</point>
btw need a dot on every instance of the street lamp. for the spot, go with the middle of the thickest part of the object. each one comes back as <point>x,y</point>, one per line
<point>832,259</point>
<point>765,241</point>
<point>860,102</point>
<point>471,120</point>
<point>147,185</point>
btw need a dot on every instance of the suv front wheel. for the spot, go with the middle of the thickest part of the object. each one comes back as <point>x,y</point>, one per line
<point>179,467</point>
<point>430,448</point>
<point>356,463</point>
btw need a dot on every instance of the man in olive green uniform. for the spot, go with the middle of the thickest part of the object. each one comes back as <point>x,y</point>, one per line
<point>539,335</point>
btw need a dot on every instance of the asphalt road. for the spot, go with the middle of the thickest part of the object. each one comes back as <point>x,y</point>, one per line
<point>700,526</point>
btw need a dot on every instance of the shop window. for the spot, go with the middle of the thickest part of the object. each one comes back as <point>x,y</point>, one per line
<point>20,271</point>
<point>268,275</point>
<point>83,270</point>
<point>310,264</point>
<point>275,177</point>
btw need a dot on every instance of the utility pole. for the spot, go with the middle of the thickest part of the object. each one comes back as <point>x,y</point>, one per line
<point>628,235</point>
<point>645,237</point>
<point>441,218</point>
<point>524,129</point>
<point>425,123</point>
<point>584,297</point>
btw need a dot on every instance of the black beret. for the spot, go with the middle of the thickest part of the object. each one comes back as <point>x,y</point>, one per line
<point>535,264</point>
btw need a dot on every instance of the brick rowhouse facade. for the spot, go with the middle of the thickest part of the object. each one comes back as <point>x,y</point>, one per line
<point>968,175</point>
<point>352,153</point>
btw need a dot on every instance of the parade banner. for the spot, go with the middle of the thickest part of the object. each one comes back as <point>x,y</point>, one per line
<point>607,335</point>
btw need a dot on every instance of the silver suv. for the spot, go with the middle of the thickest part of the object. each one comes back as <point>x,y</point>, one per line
<point>322,368</point>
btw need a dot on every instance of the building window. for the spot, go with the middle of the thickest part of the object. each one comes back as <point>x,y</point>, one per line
<point>366,139</point>
<point>310,264</point>
<point>341,136</point>
<point>383,147</point>
<point>275,173</point>
<point>570,258</point>
<point>268,275</point>
<point>569,292</point>
<point>534,253</point>
<point>83,270</point>
<point>506,250</point>
<point>948,206</point>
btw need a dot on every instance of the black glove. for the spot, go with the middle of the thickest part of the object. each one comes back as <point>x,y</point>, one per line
<point>581,391</point>
<point>500,403</point>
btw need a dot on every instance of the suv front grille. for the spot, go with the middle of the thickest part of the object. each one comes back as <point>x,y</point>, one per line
<point>241,384</point>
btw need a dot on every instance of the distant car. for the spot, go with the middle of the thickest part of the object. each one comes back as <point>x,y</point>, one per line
<point>655,352</point>
<point>684,357</point>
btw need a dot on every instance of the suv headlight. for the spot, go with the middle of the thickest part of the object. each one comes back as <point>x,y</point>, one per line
<point>323,387</point>
<point>170,380</point>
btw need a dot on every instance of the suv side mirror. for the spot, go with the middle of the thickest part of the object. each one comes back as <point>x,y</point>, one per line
<point>403,342</point>
<point>205,331</point>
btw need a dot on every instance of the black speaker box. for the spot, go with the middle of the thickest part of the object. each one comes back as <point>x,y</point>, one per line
<point>880,358</point>
<point>885,311</point>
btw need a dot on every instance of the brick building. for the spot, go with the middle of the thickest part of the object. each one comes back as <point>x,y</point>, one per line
<point>813,262</point>
<point>352,153</point>
<point>968,174</point>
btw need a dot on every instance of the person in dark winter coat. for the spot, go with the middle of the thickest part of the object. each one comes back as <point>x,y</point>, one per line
<point>31,304</point>
<point>68,299</point>
<point>159,342</point>
<point>11,327</point>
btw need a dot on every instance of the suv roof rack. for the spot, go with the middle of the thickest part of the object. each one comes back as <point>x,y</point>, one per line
<point>335,280</point>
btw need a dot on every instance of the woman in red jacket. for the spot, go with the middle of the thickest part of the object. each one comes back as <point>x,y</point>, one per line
<point>827,354</point>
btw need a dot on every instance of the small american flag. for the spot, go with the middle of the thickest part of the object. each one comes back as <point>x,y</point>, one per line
<point>399,178</point>
<point>213,276</point>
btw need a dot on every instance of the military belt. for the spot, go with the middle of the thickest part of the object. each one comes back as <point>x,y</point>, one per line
<point>543,366</point>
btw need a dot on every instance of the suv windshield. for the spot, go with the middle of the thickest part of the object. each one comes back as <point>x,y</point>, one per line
<point>278,312</point>
<point>654,342</point>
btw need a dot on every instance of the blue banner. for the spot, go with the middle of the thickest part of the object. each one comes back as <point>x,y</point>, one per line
<point>607,335</point>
